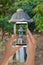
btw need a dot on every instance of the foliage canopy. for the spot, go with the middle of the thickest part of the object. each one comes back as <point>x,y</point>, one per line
<point>33,7</point>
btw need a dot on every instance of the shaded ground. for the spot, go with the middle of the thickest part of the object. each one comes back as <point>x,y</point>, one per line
<point>38,54</point>
<point>39,50</point>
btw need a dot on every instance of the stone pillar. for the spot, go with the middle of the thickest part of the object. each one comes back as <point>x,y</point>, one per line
<point>22,55</point>
<point>18,55</point>
<point>14,28</point>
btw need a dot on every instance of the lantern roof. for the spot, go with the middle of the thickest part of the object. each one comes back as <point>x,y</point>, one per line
<point>20,16</point>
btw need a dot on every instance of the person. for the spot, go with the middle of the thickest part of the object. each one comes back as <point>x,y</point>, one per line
<point>9,50</point>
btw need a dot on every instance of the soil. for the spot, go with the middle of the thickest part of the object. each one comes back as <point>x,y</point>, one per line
<point>38,54</point>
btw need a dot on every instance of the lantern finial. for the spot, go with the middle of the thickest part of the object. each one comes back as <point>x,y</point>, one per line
<point>19,10</point>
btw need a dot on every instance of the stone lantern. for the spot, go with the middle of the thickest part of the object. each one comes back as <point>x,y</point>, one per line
<point>20,18</point>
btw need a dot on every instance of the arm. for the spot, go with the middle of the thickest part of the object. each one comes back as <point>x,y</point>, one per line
<point>30,49</point>
<point>9,51</point>
<point>33,40</point>
<point>4,61</point>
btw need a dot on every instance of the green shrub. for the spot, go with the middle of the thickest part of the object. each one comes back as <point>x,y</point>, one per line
<point>38,22</point>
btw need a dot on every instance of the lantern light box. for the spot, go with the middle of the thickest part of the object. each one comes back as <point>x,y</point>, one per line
<point>20,20</point>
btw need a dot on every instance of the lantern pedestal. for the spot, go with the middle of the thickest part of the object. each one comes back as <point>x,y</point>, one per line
<point>20,55</point>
